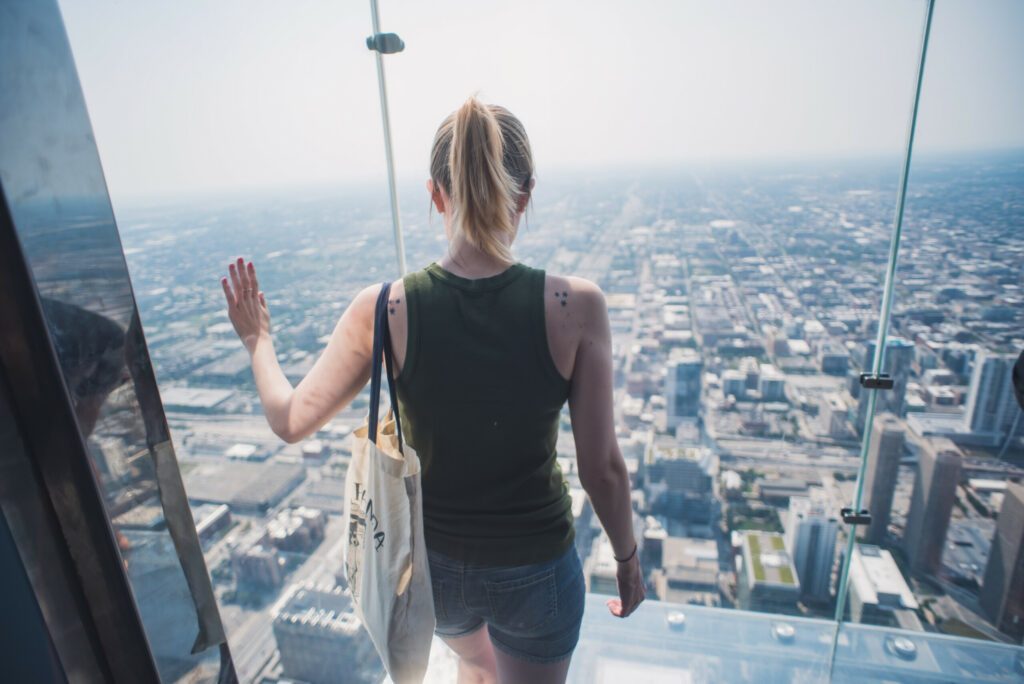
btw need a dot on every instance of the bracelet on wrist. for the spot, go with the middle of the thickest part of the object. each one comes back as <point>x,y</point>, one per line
<point>627,558</point>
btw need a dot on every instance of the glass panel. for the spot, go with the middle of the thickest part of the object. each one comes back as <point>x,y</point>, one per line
<point>947,516</point>
<point>55,191</point>
<point>867,653</point>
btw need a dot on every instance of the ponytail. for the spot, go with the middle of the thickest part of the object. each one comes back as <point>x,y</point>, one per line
<point>481,157</point>
<point>484,194</point>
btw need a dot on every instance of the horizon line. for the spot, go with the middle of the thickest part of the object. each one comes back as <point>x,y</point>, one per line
<point>558,171</point>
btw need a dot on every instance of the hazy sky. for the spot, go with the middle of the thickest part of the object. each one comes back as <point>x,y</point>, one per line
<point>211,95</point>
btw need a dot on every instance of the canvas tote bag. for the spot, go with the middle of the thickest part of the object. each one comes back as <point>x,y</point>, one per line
<point>385,557</point>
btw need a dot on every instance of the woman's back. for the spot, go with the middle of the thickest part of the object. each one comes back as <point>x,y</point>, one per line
<point>481,398</point>
<point>485,356</point>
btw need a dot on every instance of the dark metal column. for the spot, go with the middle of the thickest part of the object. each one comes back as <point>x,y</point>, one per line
<point>83,393</point>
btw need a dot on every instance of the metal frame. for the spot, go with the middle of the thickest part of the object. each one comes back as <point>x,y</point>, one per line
<point>883,323</point>
<point>91,563</point>
<point>385,117</point>
<point>54,502</point>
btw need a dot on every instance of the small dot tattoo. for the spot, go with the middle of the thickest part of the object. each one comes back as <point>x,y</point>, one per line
<point>392,310</point>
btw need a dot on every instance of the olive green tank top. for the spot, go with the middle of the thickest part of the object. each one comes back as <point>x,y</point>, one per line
<point>480,399</point>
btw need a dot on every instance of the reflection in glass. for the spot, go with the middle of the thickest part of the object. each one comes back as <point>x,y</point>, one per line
<point>54,188</point>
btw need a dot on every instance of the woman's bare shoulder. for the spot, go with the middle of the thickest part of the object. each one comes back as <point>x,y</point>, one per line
<point>573,309</point>
<point>564,291</point>
<point>365,301</point>
<point>358,316</point>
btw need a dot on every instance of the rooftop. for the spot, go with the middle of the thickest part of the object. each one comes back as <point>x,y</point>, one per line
<point>768,559</point>
<point>242,483</point>
<point>318,609</point>
<point>193,397</point>
<point>877,579</point>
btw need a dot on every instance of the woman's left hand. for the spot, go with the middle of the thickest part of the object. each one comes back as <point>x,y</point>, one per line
<point>247,307</point>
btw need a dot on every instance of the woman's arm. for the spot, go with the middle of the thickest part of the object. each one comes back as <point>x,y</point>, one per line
<point>336,378</point>
<point>602,469</point>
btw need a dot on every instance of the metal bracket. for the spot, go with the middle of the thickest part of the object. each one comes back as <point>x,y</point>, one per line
<point>861,517</point>
<point>882,381</point>
<point>385,43</point>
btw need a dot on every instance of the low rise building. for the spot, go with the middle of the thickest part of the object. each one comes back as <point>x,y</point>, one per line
<point>320,639</point>
<point>767,579</point>
<point>297,529</point>
<point>689,571</point>
<point>258,566</point>
<point>879,594</point>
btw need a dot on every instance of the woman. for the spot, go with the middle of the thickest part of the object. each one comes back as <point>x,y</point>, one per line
<point>487,352</point>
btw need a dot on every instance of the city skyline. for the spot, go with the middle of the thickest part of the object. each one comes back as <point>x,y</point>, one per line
<point>742,303</point>
<point>769,277</point>
<point>193,98</point>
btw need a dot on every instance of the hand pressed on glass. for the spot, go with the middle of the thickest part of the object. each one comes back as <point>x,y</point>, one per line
<point>247,307</point>
<point>630,579</point>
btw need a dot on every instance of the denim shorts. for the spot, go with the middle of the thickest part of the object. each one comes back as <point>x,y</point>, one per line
<point>532,612</point>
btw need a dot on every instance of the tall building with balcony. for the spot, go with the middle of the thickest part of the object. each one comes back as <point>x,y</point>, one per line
<point>1002,590</point>
<point>931,504</point>
<point>885,449</point>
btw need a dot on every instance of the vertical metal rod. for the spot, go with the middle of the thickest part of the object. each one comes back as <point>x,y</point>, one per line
<point>388,153</point>
<point>883,328</point>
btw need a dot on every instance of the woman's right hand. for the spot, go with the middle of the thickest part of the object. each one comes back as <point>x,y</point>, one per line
<point>630,579</point>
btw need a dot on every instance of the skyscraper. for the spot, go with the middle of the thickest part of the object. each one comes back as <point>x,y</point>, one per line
<point>899,356</point>
<point>931,504</point>
<point>884,451</point>
<point>1002,591</point>
<point>811,539</point>
<point>682,387</point>
<point>991,406</point>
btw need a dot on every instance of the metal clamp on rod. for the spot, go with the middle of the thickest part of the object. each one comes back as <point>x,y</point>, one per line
<point>385,43</point>
<point>882,381</point>
<point>861,517</point>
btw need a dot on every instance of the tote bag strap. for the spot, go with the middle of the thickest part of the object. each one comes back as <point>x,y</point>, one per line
<point>382,353</point>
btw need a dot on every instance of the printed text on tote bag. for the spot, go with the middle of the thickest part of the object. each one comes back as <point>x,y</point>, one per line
<point>358,515</point>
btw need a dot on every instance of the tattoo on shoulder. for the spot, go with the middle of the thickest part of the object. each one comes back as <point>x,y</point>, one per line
<point>562,295</point>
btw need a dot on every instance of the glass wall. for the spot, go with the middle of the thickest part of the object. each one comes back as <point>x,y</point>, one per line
<point>946,457</point>
<point>727,173</point>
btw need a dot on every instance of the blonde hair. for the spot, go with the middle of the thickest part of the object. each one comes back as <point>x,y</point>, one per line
<point>482,158</point>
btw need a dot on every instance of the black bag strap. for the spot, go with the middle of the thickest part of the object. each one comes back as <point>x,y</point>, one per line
<point>382,353</point>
